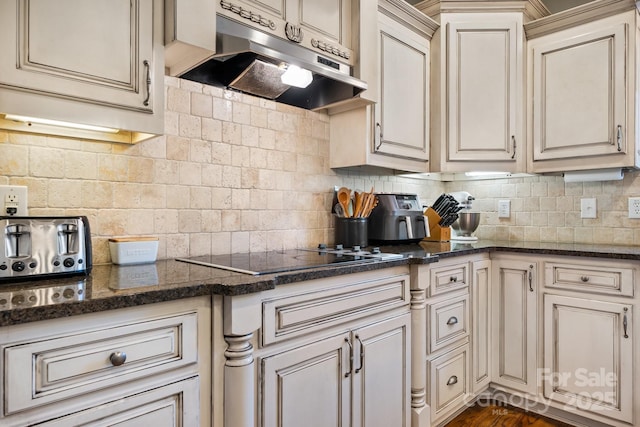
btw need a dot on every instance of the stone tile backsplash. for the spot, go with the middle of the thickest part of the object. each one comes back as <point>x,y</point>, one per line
<point>235,173</point>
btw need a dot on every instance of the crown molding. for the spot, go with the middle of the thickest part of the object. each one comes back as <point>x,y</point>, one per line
<point>409,16</point>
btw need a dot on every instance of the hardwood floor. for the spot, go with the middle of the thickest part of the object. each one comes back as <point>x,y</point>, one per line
<point>497,415</point>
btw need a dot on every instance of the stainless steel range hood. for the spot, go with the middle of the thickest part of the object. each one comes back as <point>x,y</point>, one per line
<point>251,61</point>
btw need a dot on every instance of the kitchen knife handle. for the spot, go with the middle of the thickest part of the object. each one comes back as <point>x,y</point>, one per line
<point>361,354</point>
<point>147,66</point>
<point>619,137</point>
<point>624,323</point>
<point>531,278</point>
<point>379,133</point>
<point>513,140</point>
<point>350,358</point>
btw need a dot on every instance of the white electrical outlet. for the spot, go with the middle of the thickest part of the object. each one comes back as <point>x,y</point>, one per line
<point>504,208</point>
<point>588,208</point>
<point>634,207</point>
<point>13,200</point>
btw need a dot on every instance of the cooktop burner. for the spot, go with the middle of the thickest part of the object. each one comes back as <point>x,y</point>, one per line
<point>258,263</point>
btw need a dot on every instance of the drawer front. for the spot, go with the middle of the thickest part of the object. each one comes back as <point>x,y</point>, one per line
<point>173,405</point>
<point>448,382</point>
<point>449,322</point>
<point>448,278</point>
<point>47,371</point>
<point>293,315</point>
<point>594,278</point>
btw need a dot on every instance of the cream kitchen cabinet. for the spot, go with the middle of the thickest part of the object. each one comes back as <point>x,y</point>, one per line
<point>144,363</point>
<point>514,324</point>
<point>478,85</point>
<point>324,27</point>
<point>90,62</point>
<point>189,34</point>
<point>582,82</point>
<point>589,339</point>
<point>480,319</point>
<point>392,131</point>
<point>328,352</point>
<point>360,378</point>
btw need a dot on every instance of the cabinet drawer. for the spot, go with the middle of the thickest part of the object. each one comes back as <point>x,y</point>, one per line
<point>173,405</point>
<point>448,385</point>
<point>46,371</point>
<point>448,278</point>
<point>594,277</point>
<point>448,322</point>
<point>289,316</point>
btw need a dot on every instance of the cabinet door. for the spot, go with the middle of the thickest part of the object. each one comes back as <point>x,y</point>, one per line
<point>579,93</point>
<point>381,378</point>
<point>174,405</point>
<point>93,51</point>
<point>402,124</point>
<point>484,89</point>
<point>514,331</point>
<point>588,363</point>
<point>480,325</point>
<point>309,385</point>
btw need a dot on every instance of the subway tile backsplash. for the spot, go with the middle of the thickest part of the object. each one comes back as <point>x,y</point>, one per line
<point>235,173</point>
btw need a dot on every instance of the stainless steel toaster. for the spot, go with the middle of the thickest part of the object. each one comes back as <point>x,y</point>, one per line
<point>40,247</point>
<point>398,218</point>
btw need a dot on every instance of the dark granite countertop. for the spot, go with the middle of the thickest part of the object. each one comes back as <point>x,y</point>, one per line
<point>111,287</point>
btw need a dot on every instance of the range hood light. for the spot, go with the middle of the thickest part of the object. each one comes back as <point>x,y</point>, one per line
<point>35,120</point>
<point>296,76</point>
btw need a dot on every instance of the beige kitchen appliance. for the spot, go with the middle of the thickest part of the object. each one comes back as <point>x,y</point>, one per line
<point>398,218</point>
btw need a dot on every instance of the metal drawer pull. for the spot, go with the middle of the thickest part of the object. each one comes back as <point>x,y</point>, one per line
<point>361,354</point>
<point>624,323</point>
<point>619,138</point>
<point>148,68</point>
<point>379,127</point>
<point>118,358</point>
<point>513,139</point>
<point>585,279</point>
<point>452,320</point>
<point>453,380</point>
<point>531,278</point>
<point>453,279</point>
<point>350,358</point>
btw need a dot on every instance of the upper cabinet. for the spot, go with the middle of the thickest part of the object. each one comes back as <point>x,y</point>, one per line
<point>390,127</point>
<point>189,34</point>
<point>322,26</point>
<point>90,62</point>
<point>582,82</point>
<point>478,87</point>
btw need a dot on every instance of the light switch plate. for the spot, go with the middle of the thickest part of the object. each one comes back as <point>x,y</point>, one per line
<point>504,208</point>
<point>587,208</point>
<point>634,207</point>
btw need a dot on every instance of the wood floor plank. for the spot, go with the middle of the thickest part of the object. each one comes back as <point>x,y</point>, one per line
<point>493,415</point>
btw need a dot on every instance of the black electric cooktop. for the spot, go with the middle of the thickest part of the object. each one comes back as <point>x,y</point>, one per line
<point>258,263</point>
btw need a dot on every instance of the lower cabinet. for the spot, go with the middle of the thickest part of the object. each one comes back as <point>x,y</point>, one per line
<point>514,324</point>
<point>127,366</point>
<point>588,363</point>
<point>448,382</point>
<point>359,378</point>
<point>328,352</point>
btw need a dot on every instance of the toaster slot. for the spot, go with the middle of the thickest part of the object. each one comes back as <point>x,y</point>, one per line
<point>68,243</point>
<point>17,240</point>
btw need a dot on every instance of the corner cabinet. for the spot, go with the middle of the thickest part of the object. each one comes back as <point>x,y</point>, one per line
<point>478,86</point>
<point>95,63</point>
<point>392,129</point>
<point>582,81</point>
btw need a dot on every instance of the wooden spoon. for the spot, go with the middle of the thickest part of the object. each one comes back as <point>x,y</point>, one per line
<point>357,210</point>
<point>344,197</point>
